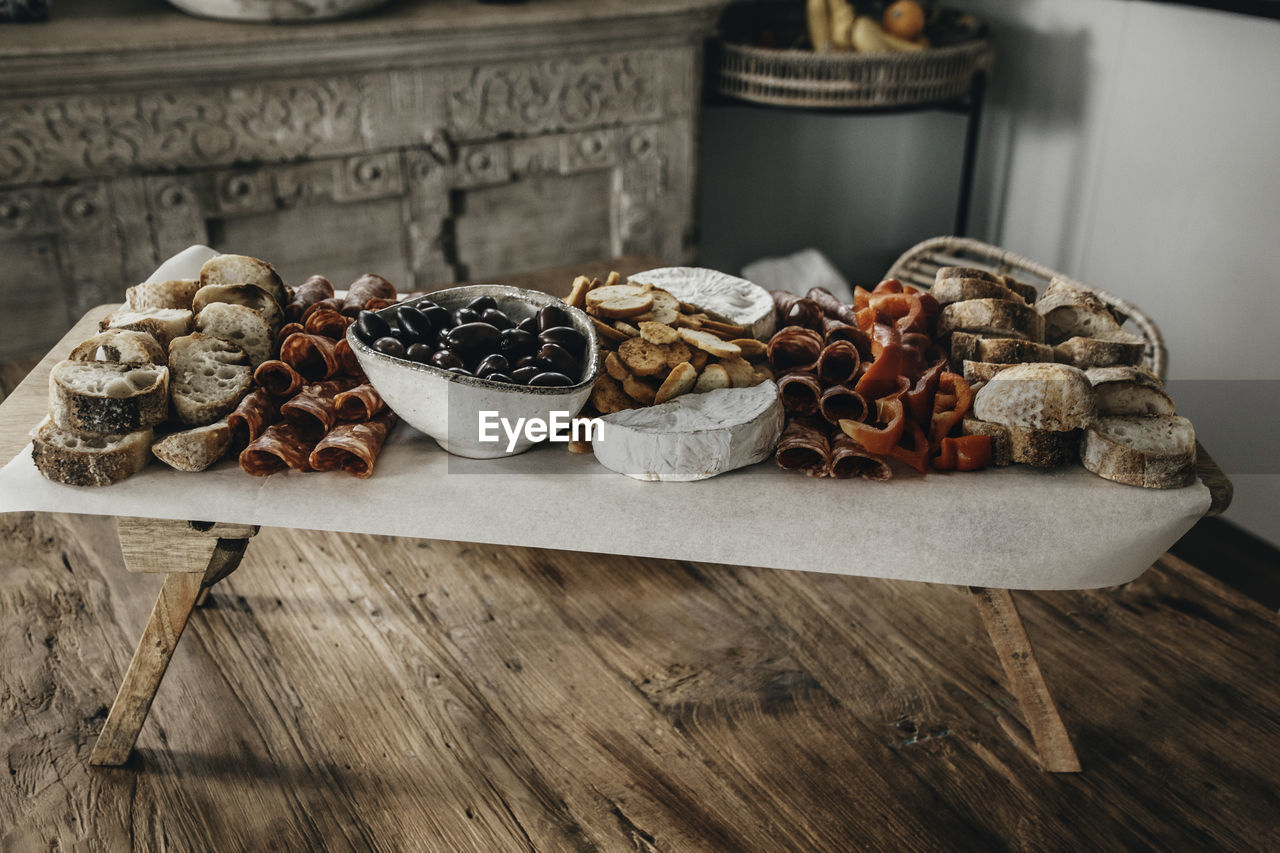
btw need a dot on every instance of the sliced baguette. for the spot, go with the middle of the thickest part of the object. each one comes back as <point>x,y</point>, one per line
<point>1153,452</point>
<point>248,295</point>
<point>175,293</point>
<point>949,290</point>
<point>1028,292</point>
<point>242,269</point>
<point>239,325</point>
<point>1041,448</point>
<point>1070,312</point>
<point>1037,396</point>
<point>979,372</point>
<point>998,317</point>
<point>964,347</point>
<point>122,346</point>
<point>1001,447</point>
<point>98,396</point>
<point>194,449</point>
<point>209,378</point>
<point>88,459</point>
<point>1128,391</point>
<point>1120,348</point>
<point>963,272</point>
<point>163,324</point>
<point>1012,351</point>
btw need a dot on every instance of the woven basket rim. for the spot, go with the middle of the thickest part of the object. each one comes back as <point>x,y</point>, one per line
<point>805,56</point>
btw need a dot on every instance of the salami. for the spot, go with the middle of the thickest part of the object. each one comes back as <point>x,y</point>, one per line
<point>257,411</point>
<point>850,459</point>
<point>328,323</point>
<point>280,379</point>
<point>839,402</point>
<point>316,403</point>
<point>794,348</point>
<point>353,447</point>
<point>347,361</point>
<point>838,364</point>
<point>363,289</point>
<point>310,355</point>
<point>359,403</point>
<point>804,447</point>
<point>799,391</point>
<point>282,445</point>
<point>286,330</point>
<point>310,292</point>
<point>832,307</point>
<point>793,310</point>
<point>333,303</point>
<point>835,330</point>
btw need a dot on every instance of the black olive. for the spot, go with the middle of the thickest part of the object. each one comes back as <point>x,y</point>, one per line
<point>446,358</point>
<point>566,336</point>
<point>550,316</point>
<point>461,371</point>
<point>500,377</point>
<point>439,317</point>
<point>463,316</point>
<point>551,378</point>
<point>494,317</point>
<point>558,359</point>
<point>522,375</point>
<point>420,352</point>
<point>516,343</point>
<point>370,327</point>
<point>389,346</point>
<point>482,303</point>
<point>528,361</point>
<point>472,339</point>
<point>528,324</point>
<point>496,363</point>
<point>413,321</point>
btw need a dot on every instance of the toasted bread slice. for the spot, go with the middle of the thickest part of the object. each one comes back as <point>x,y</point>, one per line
<point>240,325</point>
<point>1037,396</point>
<point>209,378</point>
<point>242,269</point>
<point>248,295</point>
<point>998,317</point>
<point>122,346</point>
<point>1012,351</point>
<point>1119,349</point>
<point>977,373</point>
<point>88,459</point>
<point>1128,391</point>
<point>949,290</point>
<point>1153,452</point>
<point>194,449</point>
<point>98,396</point>
<point>1070,312</point>
<point>964,272</point>
<point>175,293</point>
<point>964,347</point>
<point>163,324</point>
<point>1028,292</point>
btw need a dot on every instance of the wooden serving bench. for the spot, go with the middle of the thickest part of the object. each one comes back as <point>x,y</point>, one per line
<point>193,556</point>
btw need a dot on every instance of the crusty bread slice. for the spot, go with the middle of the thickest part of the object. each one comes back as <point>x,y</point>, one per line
<point>1128,391</point>
<point>1012,351</point>
<point>1037,396</point>
<point>949,290</point>
<point>242,269</point>
<point>1071,312</point>
<point>249,295</point>
<point>194,449</point>
<point>163,324</point>
<point>1153,452</point>
<point>175,293</point>
<point>98,396</point>
<point>964,272</point>
<point>88,459</point>
<point>209,378</point>
<point>978,372</point>
<point>963,347</point>
<point>1041,448</point>
<point>1001,447</point>
<point>123,346</point>
<point>999,317</point>
<point>1028,292</point>
<point>1120,348</point>
<point>240,325</point>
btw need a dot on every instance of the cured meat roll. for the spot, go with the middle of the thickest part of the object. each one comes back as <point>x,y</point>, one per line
<point>794,348</point>
<point>286,330</point>
<point>363,289</point>
<point>835,330</point>
<point>353,447</point>
<point>359,403</point>
<point>333,303</point>
<point>832,307</point>
<point>800,392</point>
<point>328,323</point>
<point>282,445</point>
<point>280,379</point>
<point>841,402</point>
<point>347,361</point>
<point>317,403</point>
<point>377,303</point>
<point>257,411</point>
<point>311,291</point>
<point>803,446</point>
<point>838,364</point>
<point>793,310</point>
<point>311,355</point>
<point>850,459</point>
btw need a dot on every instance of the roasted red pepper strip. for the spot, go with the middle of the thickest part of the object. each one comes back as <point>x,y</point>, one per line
<point>886,352</point>
<point>860,298</point>
<point>914,448</point>
<point>879,439</point>
<point>889,285</point>
<point>920,397</point>
<point>905,308</point>
<point>964,453</point>
<point>946,418</point>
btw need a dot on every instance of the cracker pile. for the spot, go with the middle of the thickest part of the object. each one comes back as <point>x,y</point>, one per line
<point>656,347</point>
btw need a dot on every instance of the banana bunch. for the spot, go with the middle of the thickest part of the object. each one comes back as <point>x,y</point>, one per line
<point>834,26</point>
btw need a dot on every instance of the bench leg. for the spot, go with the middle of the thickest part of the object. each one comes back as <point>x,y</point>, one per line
<point>192,556</point>
<point>1013,647</point>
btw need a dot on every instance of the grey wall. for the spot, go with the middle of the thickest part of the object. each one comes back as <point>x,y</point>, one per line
<point>1130,144</point>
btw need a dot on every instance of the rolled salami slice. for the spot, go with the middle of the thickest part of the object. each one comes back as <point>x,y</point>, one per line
<point>311,291</point>
<point>359,403</point>
<point>832,307</point>
<point>282,445</point>
<point>310,355</point>
<point>347,361</point>
<point>850,459</point>
<point>793,310</point>
<point>317,403</point>
<point>286,330</point>
<point>794,348</point>
<point>280,379</point>
<point>377,303</point>
<point>803,446</point>
<point>257,411</point>
<point>353,447</point>
<point>328,323</point>
<point>800,392</point>
<point>838,364</point>
<point>363,289</point>
<point>333,303</point>
<point>836,330</point>
<point>841,401</point>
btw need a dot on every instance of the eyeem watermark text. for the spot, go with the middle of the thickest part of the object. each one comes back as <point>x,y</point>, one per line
<point>561,427</point>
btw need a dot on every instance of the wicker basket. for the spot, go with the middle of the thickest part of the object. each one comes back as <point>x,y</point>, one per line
<point>919,266</point>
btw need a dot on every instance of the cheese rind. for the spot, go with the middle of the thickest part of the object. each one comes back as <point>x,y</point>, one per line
<point>694,436</point>
<point>723,296</point>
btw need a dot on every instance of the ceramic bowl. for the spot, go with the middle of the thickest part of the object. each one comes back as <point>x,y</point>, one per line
<point>447,406</point>
<point>275,10</point>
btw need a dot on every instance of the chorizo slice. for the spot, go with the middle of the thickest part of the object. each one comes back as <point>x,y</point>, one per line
<point>317,403</point>
<point>794,348</point>
<point>279,378</point>
<point>366,287</point>
<point>257,411</point>
<point>850,459</point>
<point>804,446</point>
<point>311,291</point>
<point>312,356</point>
<point>800,392</point>
<point>353,447</point>
<point>359,403</point>
<point>282,445</point>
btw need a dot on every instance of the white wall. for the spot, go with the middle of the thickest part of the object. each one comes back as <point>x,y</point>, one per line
<point>1135,145</point>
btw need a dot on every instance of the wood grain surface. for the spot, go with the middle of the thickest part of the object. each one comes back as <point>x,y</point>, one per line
<point>355,692</point>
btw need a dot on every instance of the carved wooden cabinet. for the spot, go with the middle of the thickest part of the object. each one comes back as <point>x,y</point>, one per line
<point>434,142</point>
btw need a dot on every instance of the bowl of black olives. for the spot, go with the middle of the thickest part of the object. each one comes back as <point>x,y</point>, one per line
<point>456,363</point>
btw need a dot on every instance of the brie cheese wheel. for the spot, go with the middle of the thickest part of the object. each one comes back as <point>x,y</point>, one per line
<point>723,296</point>
<point>694,436</point>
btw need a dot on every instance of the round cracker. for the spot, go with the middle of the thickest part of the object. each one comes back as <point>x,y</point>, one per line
<point>622,307</point>
<point>679,381</point>
<point>658,333</point>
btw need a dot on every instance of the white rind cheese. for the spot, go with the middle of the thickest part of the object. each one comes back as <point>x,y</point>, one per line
<point>694,436</point>
<point>723,296</point>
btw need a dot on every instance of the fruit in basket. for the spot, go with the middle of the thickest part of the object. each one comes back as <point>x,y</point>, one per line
<point>868,37</point>
<point>819,25</point>
<point>904,19</point>
<point>841,24</point>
